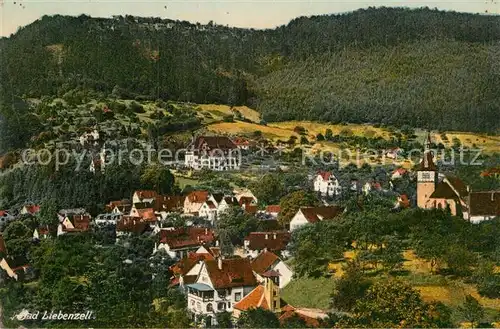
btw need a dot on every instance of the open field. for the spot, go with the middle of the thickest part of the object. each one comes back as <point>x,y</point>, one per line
<point>309,292</point>
<point>218,111</point>
<point>245,128</point>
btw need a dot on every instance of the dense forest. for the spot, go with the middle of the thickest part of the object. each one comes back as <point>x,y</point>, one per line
<point>423,67</point>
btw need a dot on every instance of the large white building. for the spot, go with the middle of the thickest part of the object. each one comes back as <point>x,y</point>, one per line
<point>217,153</point>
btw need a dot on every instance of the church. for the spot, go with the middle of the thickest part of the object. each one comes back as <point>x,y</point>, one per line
<point>439,191</point>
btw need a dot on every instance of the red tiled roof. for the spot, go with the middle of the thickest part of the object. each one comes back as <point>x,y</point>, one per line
<point>325,175</point>
<point>131,225</point>
<point>400,171</point>
<point>198,196</point>
<point>255,299</point>
<point>316,214</point>
<point>32,209</point>
<point>310,322</point>
<point>213,142</point>
<point>235,272</point>
<point>215,251</point>
<point>404,202</point>
<point>3,213</point>
<point>81,222</point>
<point>490,172</point>
<point>485,203</point>
<point>147,214</point>
<point>185,237</point>
<point>169,202</point>
<point>211,205</point>
<point>264,261</point>
<point>183,266</point>
<point>43,230</point>
<point>276,241</point>
<point>120,203</point>
<point>273,208</point>
<point>146,194</point>
<point>443,191</point>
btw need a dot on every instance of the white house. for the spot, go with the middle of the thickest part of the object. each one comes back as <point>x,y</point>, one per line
<point>144,196</point>
<point>268,261</point>
<point>178,243</point>
<point>226,203</point>
<point>398,173</point>
<point>90,138</point>
<point>220,284</point>
<point>327,184</point>
<point>371,186</point>
<point>217,153</point>
<point>30,209</point>
<point>308,215</point>
<point>208,210</point>
<point>194,201</point>
<point>98,163</point>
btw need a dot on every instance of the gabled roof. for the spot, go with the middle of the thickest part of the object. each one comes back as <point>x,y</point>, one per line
<point>400,171</point>
<point>218,197</point>
<point>485,203</point>
<point>120,203</point>
<point>131,225</point>
<point>198,196</point>
<point>443,191</point>
<point>264,261</point>
<point>325,175</point>
<point>235,272</point>
<point>275,241</point>
<point>251,209</point>
<point>169,202</point>
<point>147,214</point>
<point>213,142</point>
<point>246,200</point>
<point>146,194</point>
<point>404,202</point>
<point>3,213</point>
<point>290,312</point>
<point>211,205</point>
<point>32,209</point>
<point>458,185</point>
<point>186,237</point>
<point>316,214</point>
<point>273,208</point>
<point>183,266</point>
<point>255,299</point>
<point>231,201</point>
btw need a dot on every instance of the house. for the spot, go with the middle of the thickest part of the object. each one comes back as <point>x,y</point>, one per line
<point>121,207</point>
<point>245,201</point>
<point>217,153</point>
<point>265,296</point>
<point>402,202</point>
<point>179,242</point>
<point>186,270</point>
<point>220,284</point>
<point>327,184</point>
<point>5,217</point>
<point>245,193</point>
<point>40,233</point>
<point>165,204</point>
<point>194,201</point>
<point>307,215</point>
<point>393,153</point>
<point>398,173</point>
<point>269,261</point>
<point>30,210</point>
<point>226,203</point>
<point>436,191</point>
<point>4,265</point>
<point>91,138</point>
<point>208,210</point>
<point>275,241</point>
<point>78,224</point>
<point>108,219</point>
<point>127,226</point>
<point>144,196</point>
<point>371,186</point>
<point>250,209</point>
<point>273,210</point>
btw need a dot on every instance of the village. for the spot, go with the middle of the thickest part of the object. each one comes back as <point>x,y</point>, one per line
<point>185,228</point>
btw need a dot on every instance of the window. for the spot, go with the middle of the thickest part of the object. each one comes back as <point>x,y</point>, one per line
<point>198,306</point>
<point>275,304</point>
<point>221,306</point>
<point>426,175</point>
<point>210,307</point>
<point>237,296</point>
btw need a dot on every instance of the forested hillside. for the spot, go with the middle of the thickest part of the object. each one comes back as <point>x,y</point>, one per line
<point>420,67</point>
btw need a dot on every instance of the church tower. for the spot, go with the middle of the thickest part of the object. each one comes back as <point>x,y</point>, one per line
<point>426,175</point>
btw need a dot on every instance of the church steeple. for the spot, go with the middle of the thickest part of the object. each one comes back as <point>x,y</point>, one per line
<point>426,175</point>
<point>427,163</point>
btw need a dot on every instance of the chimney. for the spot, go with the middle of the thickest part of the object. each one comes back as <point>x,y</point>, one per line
<point>267,236</point>
<point>274,236</point>
<point>265,249</point>
<point>206,231</point>
<point>219,263</point>
<point>217,243</point>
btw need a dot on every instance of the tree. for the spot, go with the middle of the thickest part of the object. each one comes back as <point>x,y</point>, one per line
<point>472,311</point>
<point>320,137</point>
<point>459,259</point>
<point>292,202</point>
<point>258,318</point>
<point>328,134</point>
<point>224,320</point>
<point>392,303</point>
<point>350,288</point>
<point>158,178</point>
<point>294,321</point>
<point>17,238</point>
<point>48,212</point>
<point>269,189</point>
